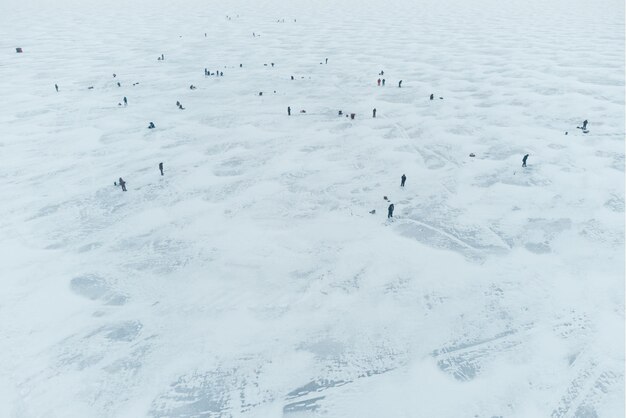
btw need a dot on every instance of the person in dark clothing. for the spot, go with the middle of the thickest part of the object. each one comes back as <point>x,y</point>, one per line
<point>432,96</point>
<point>206,72</point>
<point>585,124</point>
<point>383,82</point>
<point>151,126</point>
<point>400,83</point>
<point>162,57</point>
<point>118,84</point>
<point>382,72</point>
<point>122,183</point>
<point>374,112</point>
<point>402,180</point>
<point>390,211</point>
<point>125,101</point>
<point>524,160</point>
<point>56,87</point>
<point>326,60</point>
<point>292,77</point>
<point>221,74</point>
<point>288,110</point>
<point>177,103</point>
<point>161,168</point>
<point>379,81</point>
<point>240,65</point>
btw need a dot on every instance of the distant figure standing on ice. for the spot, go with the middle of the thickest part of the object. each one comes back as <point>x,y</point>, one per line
<point>585,124</point>
<point>400,83</point>
<point>374,112</point>
<point>381,72</point>
<point>56,87</point>
<point>162,57</point>
<point>402,180</point>
<point>390,211</point>
<point>383,82</point>
<point>379,81</point>
<point>288,110</point>
<point>161,168</point>
<point>118,84</point>
<point>125,101</point>
<point>432,96</point>
<point>524,160</point>
<point>122,183</point>
<point>326,60</point>
<point>151,126</point>
<point>206,72</point>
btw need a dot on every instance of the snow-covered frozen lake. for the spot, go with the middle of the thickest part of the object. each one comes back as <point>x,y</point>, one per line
<point>251,280</point>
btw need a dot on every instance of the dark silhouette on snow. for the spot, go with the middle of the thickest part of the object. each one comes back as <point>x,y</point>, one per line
<point>400,83</point>
<point>56,87</point>
<point>383,82</point>
<point>125,101</point>
<point>379,81</point>
<point>151,126</point>
<point>374,112</point>
<point>403,180</point>
<point>161,168</point>
<point>585,124</point>
<point>432,96</point>
<point>122,183</point>
<point>390,211</point>
<point>288,110</point>
<point>524,160</point>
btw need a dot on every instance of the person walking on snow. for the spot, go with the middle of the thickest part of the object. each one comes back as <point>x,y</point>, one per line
<point>374,113</point>
<point>403,180</point>
<point>585,124</point>
<point>161,168</point>
<point>125,101</point>
<point>56,87</point>
<point>432,96</point>
<point>400,83</point>
<point>383,82</point>
<point>524,160</point>
<point>379,82</point>
<point>122,183</point>
<point>288,110</point>
<point>390,211</point>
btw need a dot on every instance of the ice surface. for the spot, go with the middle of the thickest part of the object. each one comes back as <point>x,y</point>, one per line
<point>251,280</point>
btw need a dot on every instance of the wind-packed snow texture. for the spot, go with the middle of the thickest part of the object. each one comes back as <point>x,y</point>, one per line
<point>251,280</point>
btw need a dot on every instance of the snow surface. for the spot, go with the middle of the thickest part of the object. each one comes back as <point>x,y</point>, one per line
<point>251,280</point>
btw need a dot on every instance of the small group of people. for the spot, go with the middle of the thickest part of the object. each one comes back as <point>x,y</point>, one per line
<point>216,73</point>
<point>391,206</point>
<point>180,106</point>
<point>122,183</point>
<point>161,58</point>
<point>381,81</point>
